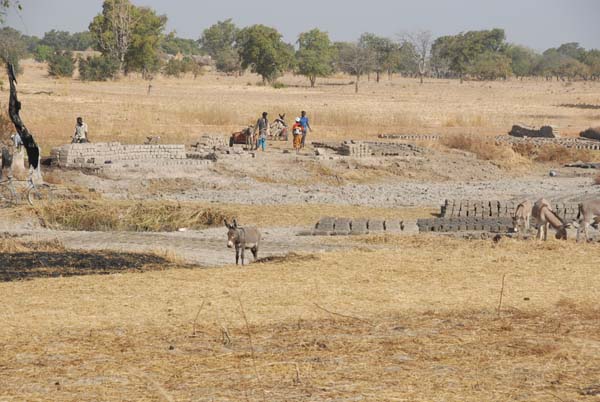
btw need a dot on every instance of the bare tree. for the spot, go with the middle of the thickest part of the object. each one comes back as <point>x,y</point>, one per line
<point>421,42</point>
<point>357,60</point>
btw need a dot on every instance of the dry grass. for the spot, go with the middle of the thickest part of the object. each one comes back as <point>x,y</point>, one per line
<point>127,216</point>
<point>180,109</point>
<point>157,216</point>
<point>485,149</point>
<point>554,153</point>
<point>416,323</point>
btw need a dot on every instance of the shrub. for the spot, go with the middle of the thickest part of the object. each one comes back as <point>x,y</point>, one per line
<point>61,64</point>
<point>174,68</point>
<point>98,68</point>
<point>43,53</point>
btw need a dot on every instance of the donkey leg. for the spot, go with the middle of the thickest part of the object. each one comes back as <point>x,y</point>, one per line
<point>255,252</point>
<point>243,256</point>
<point>237,256</point>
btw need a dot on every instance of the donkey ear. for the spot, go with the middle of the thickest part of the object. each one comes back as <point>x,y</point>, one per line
<point>235,223</point>
<point>226,224</point>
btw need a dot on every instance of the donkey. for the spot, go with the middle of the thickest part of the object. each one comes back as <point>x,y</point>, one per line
<point>589,213</point>
<point>522,216</point>
<point>543,214</point>
<point>241,239</point>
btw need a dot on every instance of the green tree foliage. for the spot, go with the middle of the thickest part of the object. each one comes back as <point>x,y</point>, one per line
<point>81,41</point>
<point>462,50</point>
<point>315,55</point>
<point>592,60</point>
<point>172,44</point>
<point>262,50</point>
<point>491,66</point>
<point>523,60</point>
<point>219,41</point>
<point>97,68</point>
<point>355,59</point>
<point>43,53</point>
<point>61,64</point>
<point>129,34</point>
<point>58,40</point>
<point>384,51</point>
<point>407,59</point>
<point>12,47</point>
<point>143,54</point>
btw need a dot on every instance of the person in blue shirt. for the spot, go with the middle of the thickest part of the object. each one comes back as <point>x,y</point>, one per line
<point>305,126</point>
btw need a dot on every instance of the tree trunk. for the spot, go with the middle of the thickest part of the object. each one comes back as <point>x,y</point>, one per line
<point>312,81</point>
<point>377,77</point>
<point>356,84</point>
<point>421,76</point>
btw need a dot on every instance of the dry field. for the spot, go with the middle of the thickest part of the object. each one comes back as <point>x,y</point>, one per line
<point>181,109</point>
<point>420,322</point>
<point>387,318</point>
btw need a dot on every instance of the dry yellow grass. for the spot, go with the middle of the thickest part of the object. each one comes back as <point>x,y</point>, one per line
<point>416,323</point>
<point>170,215</point>
<point>180,109</point>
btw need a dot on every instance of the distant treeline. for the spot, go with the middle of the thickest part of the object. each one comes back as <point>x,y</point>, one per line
<point>133,39</point>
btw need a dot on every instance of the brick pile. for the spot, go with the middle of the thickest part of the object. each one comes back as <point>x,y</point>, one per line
<point>567,142</point>
<point>355,149</point>
<point>411,137</point>
<point>116,155</point>
<point>331,226</point>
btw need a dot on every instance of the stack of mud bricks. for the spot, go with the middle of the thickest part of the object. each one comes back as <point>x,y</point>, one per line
<point>576,143</point>
<point>491,216</point>
<point>114,154</point>
<point>330,226</point>
<point>210,142</point>
<point>355,149</point>
<point>391,149</point>
<point>411,137</point>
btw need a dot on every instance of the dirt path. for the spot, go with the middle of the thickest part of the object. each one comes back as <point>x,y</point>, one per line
<point>205,248</point>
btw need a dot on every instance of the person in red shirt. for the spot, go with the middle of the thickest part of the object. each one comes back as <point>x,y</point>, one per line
<point>298,132</point>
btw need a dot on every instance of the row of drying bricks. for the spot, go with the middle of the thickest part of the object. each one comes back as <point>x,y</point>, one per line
<point>330,226</point>
<point>484,209</point>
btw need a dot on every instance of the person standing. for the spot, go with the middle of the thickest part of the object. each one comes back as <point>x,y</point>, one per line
<point>305,126</point>
<point>262,127</point>
<point>297,131</point>
<point>81,132</point>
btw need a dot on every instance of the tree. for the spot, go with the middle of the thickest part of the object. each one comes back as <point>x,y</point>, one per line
<point>172,44</point>
<point>81,41</point>
<point>12,47</point>
<point>491,66</point>
<point>43,53</point>
<point>523,60</point>
<point>315,55</point>
<point>143,52</point>
<point>421,44</point>
<point>58,40</point>
<point>592,60</point>
<point>5,5</point>
<point>129,34</point>
<point>61,64</point>
<point>97,68</point>
<point>356,59</point>
<point>261,49</point>
<point>383,50</point>
<point>406,59</point>
<point>219,41</point>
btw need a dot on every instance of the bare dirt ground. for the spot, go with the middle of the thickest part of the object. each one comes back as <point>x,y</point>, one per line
<point>377,317</point>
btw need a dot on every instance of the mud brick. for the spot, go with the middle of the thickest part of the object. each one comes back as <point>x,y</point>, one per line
<point>326,224</point>
<point>359,226</point>
<point>375,225</point>
<point>393,225</point>
<point>342,226</point>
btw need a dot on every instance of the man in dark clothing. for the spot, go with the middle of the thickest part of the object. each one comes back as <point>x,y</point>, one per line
<point>14,107</point>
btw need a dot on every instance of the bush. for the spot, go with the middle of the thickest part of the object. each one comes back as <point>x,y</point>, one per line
<point>61,64</point>
<point>43,53</point>
<point>97,68</point>
<point>174,68</point>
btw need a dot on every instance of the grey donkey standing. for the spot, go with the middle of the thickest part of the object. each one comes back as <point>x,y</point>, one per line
<point>242,239</point>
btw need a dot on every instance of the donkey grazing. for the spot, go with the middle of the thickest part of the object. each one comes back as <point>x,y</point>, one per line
<point>522,216</point>
<point>589,213</point>
<point>543,214</point>
<point>242,239</point>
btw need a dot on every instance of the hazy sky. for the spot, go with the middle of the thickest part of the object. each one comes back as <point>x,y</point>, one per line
<point>539,24</point>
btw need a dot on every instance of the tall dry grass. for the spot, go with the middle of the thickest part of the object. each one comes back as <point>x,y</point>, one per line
<point>486,148</point>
